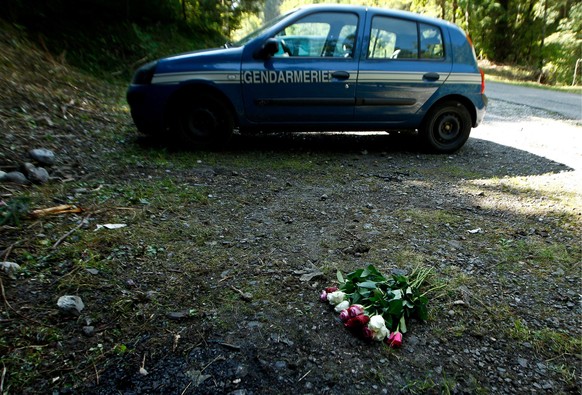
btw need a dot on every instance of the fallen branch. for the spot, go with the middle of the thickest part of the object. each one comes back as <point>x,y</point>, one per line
<point>3,376</point>
<point>62,209</point>
<point>59,241</point>
<point>305,375</point>
<point>186,389</point>
<point>4,296</point>
<point>218,358</point>
<point>9,250</point>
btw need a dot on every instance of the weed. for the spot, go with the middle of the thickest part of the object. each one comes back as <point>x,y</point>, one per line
<point>546,341</point>
<point>409,258</point>
<point>568,373</point>
<point>430,386</point>
<point>12,212</point>
<point>120,349</point>
<point>421,386</point>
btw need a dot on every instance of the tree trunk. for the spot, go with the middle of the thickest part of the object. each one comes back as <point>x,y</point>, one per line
<point>272,9</point>
<point>502,34</point>
<point>443,8</point>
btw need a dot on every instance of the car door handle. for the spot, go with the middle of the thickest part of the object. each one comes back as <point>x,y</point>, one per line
<point>340,75</point>
<point>431,76</point>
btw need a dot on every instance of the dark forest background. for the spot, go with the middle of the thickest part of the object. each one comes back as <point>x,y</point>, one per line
<point>112,37</point>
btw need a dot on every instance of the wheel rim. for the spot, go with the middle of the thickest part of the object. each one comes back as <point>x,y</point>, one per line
<point>201,122</point>
<point>447,128</point>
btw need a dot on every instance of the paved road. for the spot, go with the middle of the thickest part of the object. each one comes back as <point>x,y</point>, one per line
<point>542,122</point>
<point>569,105</point>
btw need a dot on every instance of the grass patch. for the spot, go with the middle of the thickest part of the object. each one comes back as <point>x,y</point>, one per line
<point>535,255</point>
<point>430,217</point>
<point>546,341</point>
<point>520,75</point>
<point>165,192</point>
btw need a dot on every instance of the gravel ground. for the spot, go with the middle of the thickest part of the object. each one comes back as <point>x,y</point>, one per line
<point>358,204</point>
<point>499,223</point>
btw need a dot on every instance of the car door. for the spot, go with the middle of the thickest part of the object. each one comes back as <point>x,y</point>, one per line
<point>403,64</point>
<point>311,79</point>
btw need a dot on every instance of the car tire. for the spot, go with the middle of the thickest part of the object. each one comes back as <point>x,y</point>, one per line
<point>203,122</point>
<point>446,128</point>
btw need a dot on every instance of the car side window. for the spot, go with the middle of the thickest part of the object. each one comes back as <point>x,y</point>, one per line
<point>328,34</point>
<point>393,38</point>
<point>431,42</point>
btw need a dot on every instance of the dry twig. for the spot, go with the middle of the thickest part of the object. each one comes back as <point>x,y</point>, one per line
<point>59,241</point>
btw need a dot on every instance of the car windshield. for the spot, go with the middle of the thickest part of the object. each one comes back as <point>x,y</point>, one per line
<point>259,31</point>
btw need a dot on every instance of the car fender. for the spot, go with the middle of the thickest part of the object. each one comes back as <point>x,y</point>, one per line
<point>229,93</point>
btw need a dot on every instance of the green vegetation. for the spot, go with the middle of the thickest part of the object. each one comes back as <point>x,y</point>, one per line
<point>11,212</point>
<point>111,38</point>
<point>542,39</point>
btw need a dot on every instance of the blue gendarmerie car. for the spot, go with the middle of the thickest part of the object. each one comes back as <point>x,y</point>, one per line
<point>320,68</point>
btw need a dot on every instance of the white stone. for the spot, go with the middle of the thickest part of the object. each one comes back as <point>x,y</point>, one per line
<point>43,156</point>
<point>10,268</point>
<point>70,304</point>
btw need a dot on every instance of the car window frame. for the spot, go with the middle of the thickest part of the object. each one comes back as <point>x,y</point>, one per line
<point>370,28</point>
<point>329,42</point>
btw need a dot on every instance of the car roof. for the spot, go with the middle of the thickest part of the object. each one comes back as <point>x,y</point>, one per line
<point>379,10</point>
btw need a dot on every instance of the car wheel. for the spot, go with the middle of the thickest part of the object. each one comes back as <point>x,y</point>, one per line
<point>446,128</point>
<point>203,122</point>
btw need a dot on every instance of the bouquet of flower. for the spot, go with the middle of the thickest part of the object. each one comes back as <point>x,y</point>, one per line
<point>374,307</point>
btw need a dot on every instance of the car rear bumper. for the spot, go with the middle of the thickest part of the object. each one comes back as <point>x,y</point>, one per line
<point>480,110</point>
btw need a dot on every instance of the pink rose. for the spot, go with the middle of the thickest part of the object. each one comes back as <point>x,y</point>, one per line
<point>394,340</point>
<point>323,296</point>
<point>355,310</point>
<point>344,315</point>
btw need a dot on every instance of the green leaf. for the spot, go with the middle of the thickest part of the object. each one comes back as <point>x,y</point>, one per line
<point>340,278</point>
<point>400,280</point>
<point>395,307</point>
<point>355,274</point>
<point>368,284</point>
<point>372,273</point>
<point>397,294</point>
<point>422,312</point>
<point>402,325</point>
<point>388,321</point>
<point>365,294</point>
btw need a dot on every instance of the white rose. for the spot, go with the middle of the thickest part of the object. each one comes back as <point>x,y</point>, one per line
<point>336,297</point>
<point>342,306</point>
<point>378,327</point>
<point>376,323</point>
<point>381,334</point>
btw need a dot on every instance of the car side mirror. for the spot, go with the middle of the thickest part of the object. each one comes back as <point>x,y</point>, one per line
<point>269,49</point>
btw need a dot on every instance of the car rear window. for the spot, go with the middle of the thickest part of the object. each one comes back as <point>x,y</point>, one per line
<point>393,38</point>
<point>431,42</point>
